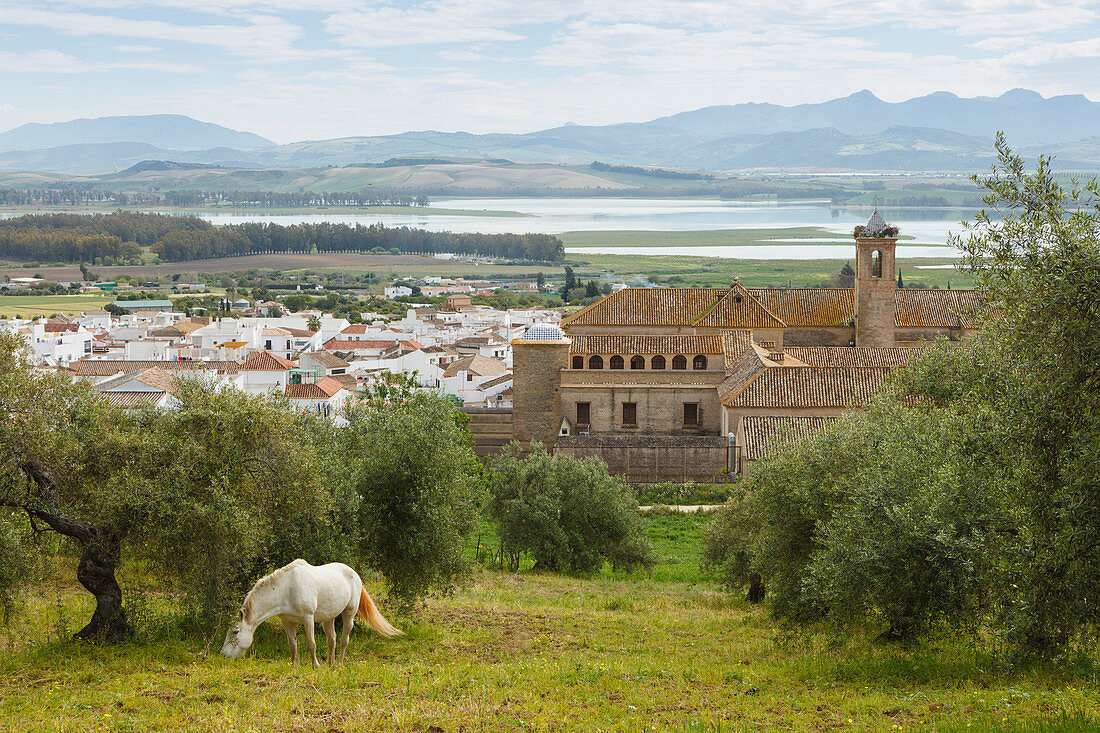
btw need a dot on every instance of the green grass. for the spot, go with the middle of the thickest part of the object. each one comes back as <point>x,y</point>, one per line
<point>681,271</point>
<point>709,238</point>
<point>32,306</point>
<point>524,651</point>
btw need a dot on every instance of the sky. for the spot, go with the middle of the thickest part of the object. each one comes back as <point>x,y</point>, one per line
<point>305,69</point>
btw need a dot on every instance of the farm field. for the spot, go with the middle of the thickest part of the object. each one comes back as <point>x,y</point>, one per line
<point>526,651</point>
<point>671,270</point>
<point>32,306</point>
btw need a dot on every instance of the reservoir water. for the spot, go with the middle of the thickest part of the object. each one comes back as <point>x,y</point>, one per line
<point>929,228</point>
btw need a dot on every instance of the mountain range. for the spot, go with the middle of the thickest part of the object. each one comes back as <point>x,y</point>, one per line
<point>860,132</point>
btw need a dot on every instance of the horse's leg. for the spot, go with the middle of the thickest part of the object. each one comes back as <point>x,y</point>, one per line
<point>330,637</point>
<point>291,630</point>
<point>345,631</point>
<point>311,642</point>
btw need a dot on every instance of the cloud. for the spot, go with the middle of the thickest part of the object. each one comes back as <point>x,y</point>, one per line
<point>136,49</point>
<point>55,62</point>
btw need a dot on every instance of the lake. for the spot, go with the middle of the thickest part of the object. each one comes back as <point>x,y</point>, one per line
<point>929,227</point>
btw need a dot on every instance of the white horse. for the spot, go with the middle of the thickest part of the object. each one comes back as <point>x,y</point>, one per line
<point>300,593</point>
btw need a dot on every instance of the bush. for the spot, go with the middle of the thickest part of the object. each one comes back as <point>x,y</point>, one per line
<point>409,460</point>
<point>569,514</point>
<point>874,520</point>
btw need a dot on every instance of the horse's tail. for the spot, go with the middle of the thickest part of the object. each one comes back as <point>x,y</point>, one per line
<point>370,614</point>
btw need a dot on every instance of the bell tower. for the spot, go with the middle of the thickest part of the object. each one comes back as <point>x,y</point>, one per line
<point>875,282</point>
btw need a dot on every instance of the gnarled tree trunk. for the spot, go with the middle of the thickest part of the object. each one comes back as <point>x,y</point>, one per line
<point>99,557</point>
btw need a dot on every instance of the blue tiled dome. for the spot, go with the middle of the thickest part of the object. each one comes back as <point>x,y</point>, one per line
<point>543,332</point>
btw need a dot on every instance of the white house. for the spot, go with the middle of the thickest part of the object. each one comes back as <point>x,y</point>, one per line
<point>397,291</point>
<point>263,372</point>
<point>324,397</point>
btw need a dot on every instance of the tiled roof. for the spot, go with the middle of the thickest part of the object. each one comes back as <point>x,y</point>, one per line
<point>808,306</point>
<point>738,309</point>
<point>325,359</point>
<point>351,344</point>
<point>107,367</point>
<point>477,364</point>
<point>158,379</point>
<point>764,431</point>
<point>498,380</point>
<point>61,327</point>
<point>127,400</point>
<point>265,361</point>
<point>796,387</point>
<point>357,328</point>
<point>936,308</point>
<point>628,345</point>
<point>769,308</point>
<point>649,306</point>
<point>734,346</point>
<point>300,332</point>
<point>849,356</point>
<point>323,389</point>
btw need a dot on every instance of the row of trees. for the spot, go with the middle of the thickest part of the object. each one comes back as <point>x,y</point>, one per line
<point>78,238</point>
<point>967,495</point>
<point>226,487</point>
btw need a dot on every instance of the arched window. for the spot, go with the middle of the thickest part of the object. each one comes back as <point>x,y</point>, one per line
<point>679,362</point>
<point>699,362</point>
<point>616,362</point>
<point>595,362</point>
<point>578,362</point>
<point>876,263</point>
<point>637,362</point>
<point>658,362</point>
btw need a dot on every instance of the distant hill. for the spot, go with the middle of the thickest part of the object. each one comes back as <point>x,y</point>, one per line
<point>859,132</point>
<point>171,132</point>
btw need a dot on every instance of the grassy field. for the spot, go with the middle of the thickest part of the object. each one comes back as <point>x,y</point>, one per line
<point>32,306</point>
<point>525,651</point>
<point>708,238</point>
<point>719,271</point>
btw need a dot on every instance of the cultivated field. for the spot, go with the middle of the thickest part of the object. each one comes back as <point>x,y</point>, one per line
<point>32,306</point>
<point>533,652</point>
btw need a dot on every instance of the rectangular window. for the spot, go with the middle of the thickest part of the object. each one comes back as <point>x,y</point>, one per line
<point>584,411</point>
<point>630,413</point>
<point>691,414</point>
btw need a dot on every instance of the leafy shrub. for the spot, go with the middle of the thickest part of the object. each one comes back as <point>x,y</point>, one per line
<point>569,514</point>
<point>419,485</point>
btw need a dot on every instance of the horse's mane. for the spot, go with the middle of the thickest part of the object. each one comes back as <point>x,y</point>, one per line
<point>264,582</point>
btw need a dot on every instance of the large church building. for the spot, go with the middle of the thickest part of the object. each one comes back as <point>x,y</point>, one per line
<point>692,383</point>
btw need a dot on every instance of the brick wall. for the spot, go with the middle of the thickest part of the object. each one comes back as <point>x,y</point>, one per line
<point>492,428</point>
<point>654,458</point>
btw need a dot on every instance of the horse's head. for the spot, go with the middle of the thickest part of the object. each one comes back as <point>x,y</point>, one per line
<point>238,638</point>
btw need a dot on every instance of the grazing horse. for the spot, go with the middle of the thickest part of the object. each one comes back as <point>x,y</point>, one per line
<point>300,593</point>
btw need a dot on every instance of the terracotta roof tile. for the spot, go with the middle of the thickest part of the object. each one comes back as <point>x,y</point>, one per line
<point>808,306</point>
<point>323,389</point>
<point>325,359</point>
<point>853,356</point>
<point>936,308</point>
<point>797,387</point>
<point>647,306</point>
<point>477,364</point>
<point>351,344</point>
<point>128,400</point>
<point>108,367</point>
<point>629,345</point>
<point>769,431</point>
<point>265,361</point>
<point>738,309</point>
<point>61,327</point>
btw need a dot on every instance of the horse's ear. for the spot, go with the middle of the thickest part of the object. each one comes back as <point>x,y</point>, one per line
<point>246,612</point>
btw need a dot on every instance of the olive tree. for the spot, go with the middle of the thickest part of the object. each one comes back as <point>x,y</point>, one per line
<point>210,491</point>
<point>407,458</point>
<point>569,514</point>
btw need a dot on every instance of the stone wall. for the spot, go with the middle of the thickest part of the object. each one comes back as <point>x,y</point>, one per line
<point>874,296</point>
<point>659,396</point>
<point>654,458</point>
<point>492,428</point>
